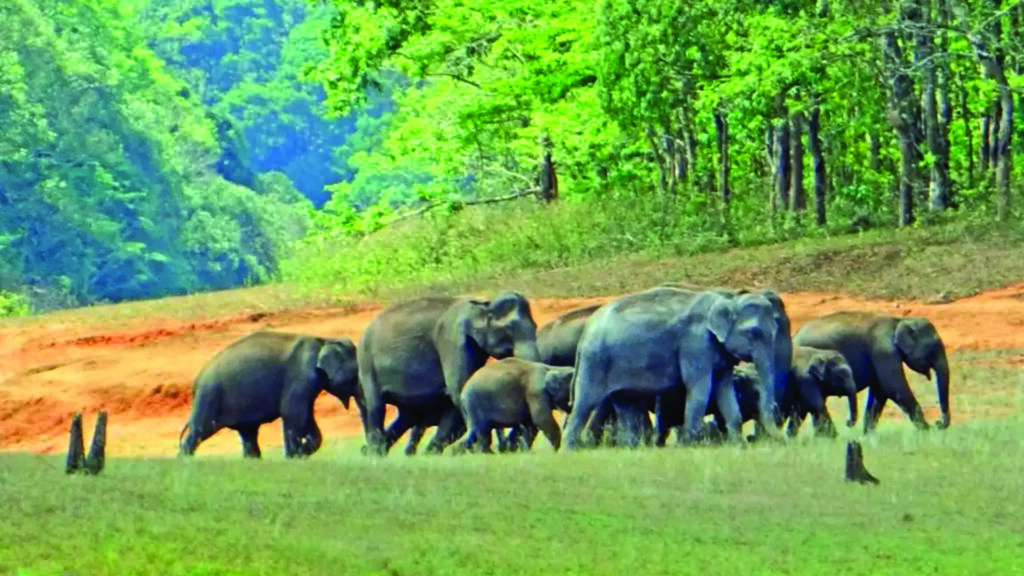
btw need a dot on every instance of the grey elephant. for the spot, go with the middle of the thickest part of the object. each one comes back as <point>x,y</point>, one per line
<point>817,375</point>
<point>557,341</point>
<point>876,346</point>
<point>268,375</point>
<point>665,339</point>
<point>417,354</point>
<point>514,392</point>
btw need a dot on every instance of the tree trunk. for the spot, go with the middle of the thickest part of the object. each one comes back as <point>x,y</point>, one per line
<point>968,135</point>
<point>875,151</point>
<point>990,52</point>
<point>659,158</point>
<point>722,133</point>
<point>904,116</point>
<point>924,55</point>
<point>782,163</point>
<point>548,182</point>
<point>1004,160</point>
<point>818,161</point>
<point>796,188</point>
<point>985,152</point>
<point>782,151</point>
<point>671,160</point>
<point>993,135</point>
<point>945,75</point>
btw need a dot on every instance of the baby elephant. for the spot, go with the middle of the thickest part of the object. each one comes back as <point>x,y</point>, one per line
<point>510,393</point>
<point>818,374</point>
<point>268,375</point>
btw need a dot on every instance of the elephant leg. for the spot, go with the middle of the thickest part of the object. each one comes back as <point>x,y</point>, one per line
<point>728,407</point>
<point>415,436</point>
<point>812,401</point>
<point>449,428</point>
<point>796,419</point>
<point>696,407</point>
<point>627,429</point>
<point>529,434</point>
<point>543,420</point>
<point>893,383</point>
<point>905,399</point>
<point>823,424</point>
<point>483,436</point>
<point>602,422</point>
<point>585,402</point>
<point>398,427</point>
<point>250,440</point>
<point>313,439</point>
<point>505,441</point>
<point>873,410</point>
<point>373,426</point>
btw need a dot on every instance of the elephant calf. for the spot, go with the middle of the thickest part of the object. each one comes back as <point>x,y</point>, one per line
<point>819,374</point>
<point>268,375</point>
<point>510,393</point>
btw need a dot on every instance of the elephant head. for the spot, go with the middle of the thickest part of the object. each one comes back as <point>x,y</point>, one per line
<point>505,327</point>
<point>558,387</point>
<point>745,325</point>
<point>337,369</point>
<point>830,369</point>
<point>920,347</point>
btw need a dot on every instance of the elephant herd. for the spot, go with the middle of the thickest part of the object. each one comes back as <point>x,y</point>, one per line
<point>680,354</point>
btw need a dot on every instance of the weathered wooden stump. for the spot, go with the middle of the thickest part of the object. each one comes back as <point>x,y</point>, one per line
<point>77,461</point>
<point>855,470</point>
<point>97,450</point>
<point>76,446</point>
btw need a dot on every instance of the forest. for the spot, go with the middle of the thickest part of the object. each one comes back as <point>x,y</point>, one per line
<point>161,148</point>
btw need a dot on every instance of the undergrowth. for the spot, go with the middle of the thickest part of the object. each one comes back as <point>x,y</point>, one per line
<point>577,248</point>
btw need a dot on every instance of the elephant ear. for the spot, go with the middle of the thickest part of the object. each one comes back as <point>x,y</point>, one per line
<point>721,318</point>
<point>905,337</point>
<point>335,366</point>
<point>558,386</point>
<point>818,367</point>
<point>504,304</point>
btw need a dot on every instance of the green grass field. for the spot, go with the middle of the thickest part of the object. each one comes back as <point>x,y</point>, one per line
<point>950,502</point>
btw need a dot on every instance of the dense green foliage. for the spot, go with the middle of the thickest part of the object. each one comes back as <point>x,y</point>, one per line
<point>246,60</point>
<point>163,147</point>
<point>115,182</point>
<point>733,121</point>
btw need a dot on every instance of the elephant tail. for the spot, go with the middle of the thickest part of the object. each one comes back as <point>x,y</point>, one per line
<point>181,435</point>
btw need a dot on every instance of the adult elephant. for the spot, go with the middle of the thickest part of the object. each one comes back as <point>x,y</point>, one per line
<point>557,341</point>
<point>670,408</point>
<point>656,341</point>
<point>876,346</point>
<point>268,375</point>
<point>417,354</point>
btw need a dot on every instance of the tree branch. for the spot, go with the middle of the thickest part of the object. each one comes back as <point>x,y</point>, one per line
<point>433,205</point>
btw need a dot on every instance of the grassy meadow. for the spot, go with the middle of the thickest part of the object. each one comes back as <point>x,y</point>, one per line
<point>949,502</point>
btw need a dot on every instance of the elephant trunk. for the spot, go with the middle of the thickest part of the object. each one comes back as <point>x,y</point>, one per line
<point>768,377</point>
<point>941,368</point>
<point>853,409</point>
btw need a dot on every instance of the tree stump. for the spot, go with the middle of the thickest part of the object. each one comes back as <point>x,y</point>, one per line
<point>97,450</point>
<point>855,470</point>
<point>77,461</point>
<point>76,446</point>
